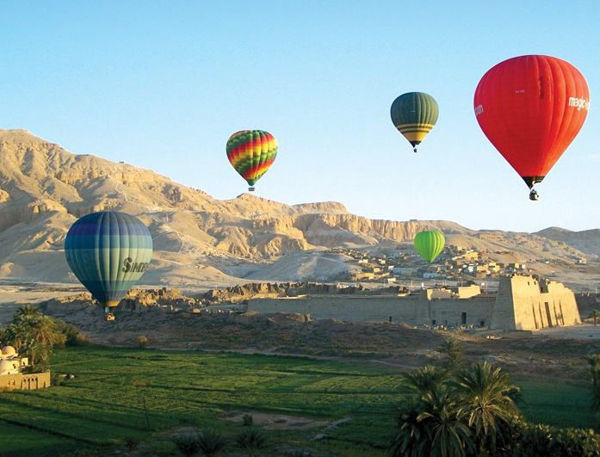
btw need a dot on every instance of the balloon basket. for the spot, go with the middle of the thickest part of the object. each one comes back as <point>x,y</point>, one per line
<point>251,188</point>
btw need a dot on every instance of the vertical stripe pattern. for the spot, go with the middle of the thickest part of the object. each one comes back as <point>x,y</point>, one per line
<point>429,244</point>
<point>108,252</point>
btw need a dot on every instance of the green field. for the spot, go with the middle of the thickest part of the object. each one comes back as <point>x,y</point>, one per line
<point>121,393</point>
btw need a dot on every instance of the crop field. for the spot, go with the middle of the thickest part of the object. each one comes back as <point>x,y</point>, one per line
<point>148,394</point>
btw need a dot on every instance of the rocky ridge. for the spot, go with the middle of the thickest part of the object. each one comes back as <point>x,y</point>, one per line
<point>198,240</point>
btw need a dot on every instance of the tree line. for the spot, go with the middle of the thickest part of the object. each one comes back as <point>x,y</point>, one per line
<point>459,411</point>
<point>34,335</point>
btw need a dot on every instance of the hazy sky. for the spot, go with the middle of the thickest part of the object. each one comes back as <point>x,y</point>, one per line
<point>162,85</point>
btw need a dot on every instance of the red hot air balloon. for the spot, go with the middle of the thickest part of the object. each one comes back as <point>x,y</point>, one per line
<point>531,108</point>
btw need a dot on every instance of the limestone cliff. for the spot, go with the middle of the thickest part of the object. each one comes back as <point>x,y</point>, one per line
<point>198,239</point>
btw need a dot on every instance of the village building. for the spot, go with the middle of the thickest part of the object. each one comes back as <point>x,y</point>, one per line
<point>12,376</point>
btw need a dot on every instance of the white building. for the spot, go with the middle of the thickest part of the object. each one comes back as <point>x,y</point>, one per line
<point>10,362</point>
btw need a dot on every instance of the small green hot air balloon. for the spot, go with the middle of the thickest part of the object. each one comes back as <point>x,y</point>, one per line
<point>109,252</point>
<point>414,114</point>
<point>251,153</point>
<point>429,244</point>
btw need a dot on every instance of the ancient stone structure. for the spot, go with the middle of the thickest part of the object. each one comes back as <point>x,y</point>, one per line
<point>414,309</point>
<point>522,303</point>
<point>528,303</point>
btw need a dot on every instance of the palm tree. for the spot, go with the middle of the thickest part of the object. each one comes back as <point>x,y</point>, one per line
<point>452,348</point>
<point>430,426</point>
<point>33,333</point>
<point>412,437</point>
<point>450,437</point>
<point>27,312</point>
<point>251,441</point>
<point>212,443</point>
<point>485,396</point>
<point>14,335</point>
<point>423,380</point>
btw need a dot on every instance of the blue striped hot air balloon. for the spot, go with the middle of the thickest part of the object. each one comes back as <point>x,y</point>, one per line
<point>109,252</point>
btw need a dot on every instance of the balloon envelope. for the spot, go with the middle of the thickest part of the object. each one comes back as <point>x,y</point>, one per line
<point>414,114</point>
<point>429,244</point>
<point>251,153</point>
<point>531,108</point>
<point>108,251</point>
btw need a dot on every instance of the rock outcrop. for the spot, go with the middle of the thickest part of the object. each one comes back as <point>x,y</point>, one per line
<point>197,239</point>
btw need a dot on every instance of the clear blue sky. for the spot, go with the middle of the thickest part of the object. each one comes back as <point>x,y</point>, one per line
<point>162,84</point>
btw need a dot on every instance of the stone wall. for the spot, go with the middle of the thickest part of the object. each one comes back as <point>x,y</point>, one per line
<point>468,291</point>
<point>414,309</point>
<point>521,303</point>
<point>526,303</point>
<point>475,311</point>
<point>21,381</point>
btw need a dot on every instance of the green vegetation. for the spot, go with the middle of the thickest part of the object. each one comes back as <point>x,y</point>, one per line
<point>594,361</point>
<point>453,350</point>
<point>34,335</point>
<point>473,413</point>
<point>466,413</point>
<point>119,396</point>
<point>247,420</point>
<point>251,441</point>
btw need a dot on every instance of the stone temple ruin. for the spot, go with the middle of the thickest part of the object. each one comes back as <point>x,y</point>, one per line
<point>526,303</point>
<point>521,303</point>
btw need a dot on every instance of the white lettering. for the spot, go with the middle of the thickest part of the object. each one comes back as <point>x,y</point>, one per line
<point>579,103</point>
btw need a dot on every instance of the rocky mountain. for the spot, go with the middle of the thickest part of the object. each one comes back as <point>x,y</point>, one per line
<point>587,241</point>
<point>198,239</point>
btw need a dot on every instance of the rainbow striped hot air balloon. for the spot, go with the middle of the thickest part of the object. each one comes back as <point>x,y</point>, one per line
<point>414,114</point>
<point>429,244</point>
<point>251,153</point>
<point>108,252</point>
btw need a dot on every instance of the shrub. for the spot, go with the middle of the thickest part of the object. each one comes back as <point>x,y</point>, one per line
<point>142,341</point>
<point>73,336</point>
<point>131,442</point>
<point>188,444</point>
<point>251,440</point>
<point>454,352</point>
<point>535,440</point>
<point>247,420</point>
<point>211,442</point>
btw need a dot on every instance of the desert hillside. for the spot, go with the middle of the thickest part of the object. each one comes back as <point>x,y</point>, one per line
<point>587,241</point>
<point>201,240</point>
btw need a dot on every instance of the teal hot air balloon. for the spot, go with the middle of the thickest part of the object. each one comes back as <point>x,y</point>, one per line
<point>429,244</point>
<point>414,114</point>
<point>108,252</point>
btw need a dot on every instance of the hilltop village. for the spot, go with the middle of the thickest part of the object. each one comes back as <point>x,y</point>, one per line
<point>453,264</point>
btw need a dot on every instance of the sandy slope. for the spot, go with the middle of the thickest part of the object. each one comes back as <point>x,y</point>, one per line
<point>200,240</point>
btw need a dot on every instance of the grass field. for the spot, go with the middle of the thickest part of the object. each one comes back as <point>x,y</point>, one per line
<point>121,393</point>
